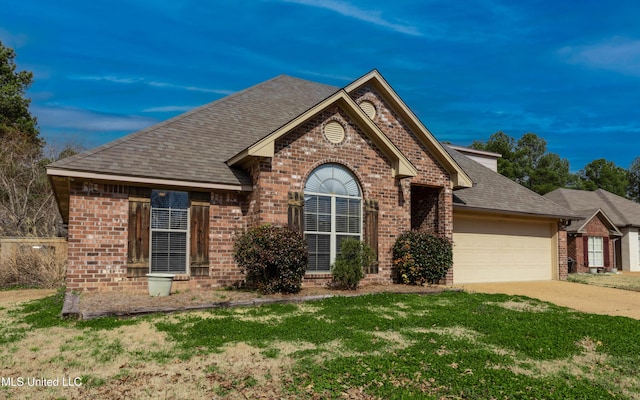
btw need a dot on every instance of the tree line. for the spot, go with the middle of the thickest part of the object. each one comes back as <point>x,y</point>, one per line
<point>527,162</point>
<point>27,206</point>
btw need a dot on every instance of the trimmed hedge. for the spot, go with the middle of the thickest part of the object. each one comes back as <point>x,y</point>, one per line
<point>274,258</point>
<point>419,257</point>
<point>348,269</point>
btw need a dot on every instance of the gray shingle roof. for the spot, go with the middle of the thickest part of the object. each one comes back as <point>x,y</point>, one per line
<point>622,212</point>
<point>494,192</point>
<point>195,145</point>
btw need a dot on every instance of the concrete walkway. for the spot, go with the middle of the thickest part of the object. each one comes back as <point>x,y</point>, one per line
<point>581,297</point>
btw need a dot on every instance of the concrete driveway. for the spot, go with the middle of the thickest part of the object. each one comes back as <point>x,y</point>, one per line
<point>586,298</point>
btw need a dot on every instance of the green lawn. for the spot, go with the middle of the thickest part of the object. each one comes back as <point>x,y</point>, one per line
<point>387,346</point>
<point>624,281</point>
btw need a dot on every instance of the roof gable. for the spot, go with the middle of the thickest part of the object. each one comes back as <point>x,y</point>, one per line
<point>579,226</point>
<point>265,147</point>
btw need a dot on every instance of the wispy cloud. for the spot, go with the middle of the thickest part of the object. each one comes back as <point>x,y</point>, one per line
<point>168,108</point>
<point>369,16</point>
<point>619,54</point>
<point>13,40</point>
<point>72,118</point>
<point>142,81</point>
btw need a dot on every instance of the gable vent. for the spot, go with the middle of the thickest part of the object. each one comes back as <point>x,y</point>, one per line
<point>334,132</point>
<point>368,108</point>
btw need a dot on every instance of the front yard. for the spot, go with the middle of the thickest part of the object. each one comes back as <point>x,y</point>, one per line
<point>624,280</point>
<point>379,346</point>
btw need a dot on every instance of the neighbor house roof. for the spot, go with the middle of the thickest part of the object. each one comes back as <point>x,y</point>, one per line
<point>622,212</point>
<point>492,192</point>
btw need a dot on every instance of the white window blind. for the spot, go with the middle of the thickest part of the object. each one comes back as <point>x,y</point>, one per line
<point>169,231</point>
<point>596,253</point>
<point>332,212</point>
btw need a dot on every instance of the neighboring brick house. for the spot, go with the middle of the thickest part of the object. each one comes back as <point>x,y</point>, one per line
<point>331,162</point>
<point>591,243</point>
<point>606,234</point>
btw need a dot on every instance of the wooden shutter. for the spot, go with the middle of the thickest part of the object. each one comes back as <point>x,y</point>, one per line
<point>605,251</point>
<point>585,250</point>
<point>295,212</point>
<point>199,250</point>
<point>371,230</point>
<point>139,233</point>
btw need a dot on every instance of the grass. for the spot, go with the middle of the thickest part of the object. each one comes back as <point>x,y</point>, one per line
<point>618,281</point>
<point>391,346</point>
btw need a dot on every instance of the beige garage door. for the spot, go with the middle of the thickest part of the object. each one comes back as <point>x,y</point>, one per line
<point>502,250</point>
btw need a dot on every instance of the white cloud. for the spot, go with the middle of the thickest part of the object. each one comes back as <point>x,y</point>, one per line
<point>189,88</point>
<point>618,54</point>
<point>130,81</point>
<point>169,108</point>
<point>369,16</point>
<point>57,117</point>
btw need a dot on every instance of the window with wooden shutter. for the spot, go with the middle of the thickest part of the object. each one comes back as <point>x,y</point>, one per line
<point>139,231</point>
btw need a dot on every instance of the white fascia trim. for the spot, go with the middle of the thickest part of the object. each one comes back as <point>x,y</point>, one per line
<point>147,181</point>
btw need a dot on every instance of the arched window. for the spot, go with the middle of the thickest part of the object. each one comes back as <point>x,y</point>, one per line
<point>332,212</point>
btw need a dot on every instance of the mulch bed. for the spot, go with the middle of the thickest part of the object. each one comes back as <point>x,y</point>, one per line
<point>122,304</point>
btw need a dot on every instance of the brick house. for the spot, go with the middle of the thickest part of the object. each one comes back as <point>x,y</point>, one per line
<point>606,234</point>
<point>330,162</point>
<point>591,242</point>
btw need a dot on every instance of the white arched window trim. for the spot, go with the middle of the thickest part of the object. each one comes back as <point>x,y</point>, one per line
<point>332,212</point>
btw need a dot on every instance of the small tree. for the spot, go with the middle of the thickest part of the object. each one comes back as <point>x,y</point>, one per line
<point>420,257</point>
<point>348,269</point>
<point>273,258</point>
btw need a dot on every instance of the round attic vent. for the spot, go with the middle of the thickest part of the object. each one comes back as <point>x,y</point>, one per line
<point>368,108</point>
<point>334,132</point>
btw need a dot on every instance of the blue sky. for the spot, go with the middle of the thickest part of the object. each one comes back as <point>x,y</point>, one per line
<point>567,71</point>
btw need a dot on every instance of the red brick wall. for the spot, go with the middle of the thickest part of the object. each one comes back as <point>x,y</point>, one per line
<point>97,246</point>
<point>562,253</point>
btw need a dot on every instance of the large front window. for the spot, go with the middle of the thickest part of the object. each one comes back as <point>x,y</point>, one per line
<point>596,252</point>
<point>169,231</point>
<point>332,212</point>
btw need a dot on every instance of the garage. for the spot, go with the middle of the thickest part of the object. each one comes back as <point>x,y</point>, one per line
<point>502,249</point>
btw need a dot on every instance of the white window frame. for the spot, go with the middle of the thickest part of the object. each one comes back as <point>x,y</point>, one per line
<point>186,231</point>
<point>596,255</point>
<point>332,233</point>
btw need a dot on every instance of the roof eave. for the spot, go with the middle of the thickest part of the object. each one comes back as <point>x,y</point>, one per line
<point>511,212</point>
<point>77,174</point>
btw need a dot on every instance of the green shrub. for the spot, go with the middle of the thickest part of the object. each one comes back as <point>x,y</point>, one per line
<point>274,258</point>
<point>348,269</point>
<point>420,257</point>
